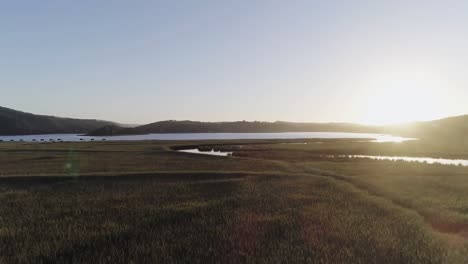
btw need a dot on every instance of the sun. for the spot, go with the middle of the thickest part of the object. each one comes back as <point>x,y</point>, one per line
<point>399,97</point>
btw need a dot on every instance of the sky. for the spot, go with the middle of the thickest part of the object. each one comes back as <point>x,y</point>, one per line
<point>136,62</point>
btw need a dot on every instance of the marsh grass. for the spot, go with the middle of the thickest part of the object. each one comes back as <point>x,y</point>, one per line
<point>216,219</point>
<point>133,202</point>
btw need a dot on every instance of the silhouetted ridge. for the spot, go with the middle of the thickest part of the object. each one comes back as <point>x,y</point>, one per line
<point>172,126</point>
<point>14,122</point>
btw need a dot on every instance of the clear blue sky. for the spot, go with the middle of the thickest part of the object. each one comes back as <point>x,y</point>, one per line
<point>143,61</point>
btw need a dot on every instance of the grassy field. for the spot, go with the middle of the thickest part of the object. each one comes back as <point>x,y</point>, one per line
<point>133,202</point>
<point>113,157</point>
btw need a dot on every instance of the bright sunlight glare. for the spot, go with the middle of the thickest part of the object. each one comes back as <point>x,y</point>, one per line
<point>400,96</point>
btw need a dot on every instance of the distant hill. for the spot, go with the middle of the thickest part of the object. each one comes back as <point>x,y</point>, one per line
<point>173,126</point>
<point>112,130</point>
<point>452,130</point>
<point>14,122</point>
<point>447,130</point>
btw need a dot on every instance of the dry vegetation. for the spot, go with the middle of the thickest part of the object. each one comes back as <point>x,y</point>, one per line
<point>142,202</point>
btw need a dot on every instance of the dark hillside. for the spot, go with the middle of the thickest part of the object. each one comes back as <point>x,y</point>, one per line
<point>14,122</point>
<point>172,126</point>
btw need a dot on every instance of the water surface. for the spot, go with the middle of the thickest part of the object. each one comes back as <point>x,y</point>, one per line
<point>208,136</point>
<point>457,162</point>
<point>211,152</point>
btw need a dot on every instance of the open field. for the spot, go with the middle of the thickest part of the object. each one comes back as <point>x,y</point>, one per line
<point>437,192</point>
<point>124,202</point>
<point>113,157</point>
